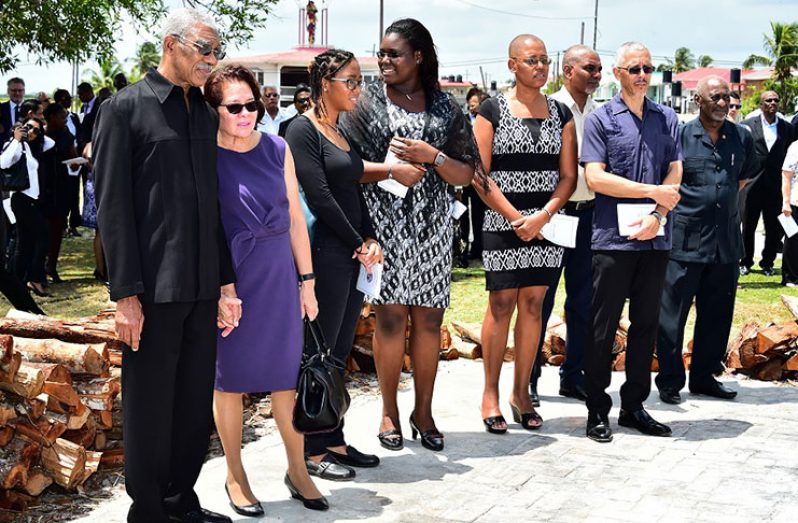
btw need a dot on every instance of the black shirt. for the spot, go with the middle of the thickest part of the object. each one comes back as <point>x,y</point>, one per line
<point>330,178</point>
<point>706,221</point>
<point>156,189</point>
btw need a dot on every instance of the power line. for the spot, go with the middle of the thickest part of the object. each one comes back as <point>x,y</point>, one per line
<point>523,15</point>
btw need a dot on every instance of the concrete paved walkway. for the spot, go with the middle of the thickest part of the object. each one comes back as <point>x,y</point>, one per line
<point>727,461</point>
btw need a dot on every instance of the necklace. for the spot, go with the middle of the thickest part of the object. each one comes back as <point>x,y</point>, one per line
<point>406,95</point>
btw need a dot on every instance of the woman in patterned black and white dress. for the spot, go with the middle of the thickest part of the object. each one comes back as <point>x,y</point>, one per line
<point>527,142</point>
<point>407,117</point>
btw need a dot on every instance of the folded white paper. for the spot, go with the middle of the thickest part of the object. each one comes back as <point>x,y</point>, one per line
<point>629,213</point>
<point>9,212</point>
<point>370,284</point>
<point>789,225</point>
<point>391,185</point>
<point>76,161</point>
<point>457,209</point>
<point>561,230</point>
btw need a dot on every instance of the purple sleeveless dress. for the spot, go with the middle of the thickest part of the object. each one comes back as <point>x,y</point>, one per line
<point>264,352</point>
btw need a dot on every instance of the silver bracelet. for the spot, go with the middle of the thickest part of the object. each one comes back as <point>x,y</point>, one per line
<point>390,175</point>
<point>547,212</point>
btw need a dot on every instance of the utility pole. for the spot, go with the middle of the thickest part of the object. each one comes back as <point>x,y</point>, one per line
<point>382,14</point>
<point>582,36</point>
<point>595,25</point>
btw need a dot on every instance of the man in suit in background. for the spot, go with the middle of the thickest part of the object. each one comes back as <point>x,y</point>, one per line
<point>64,99</point>
<point>9,111</point>
<point>772,136</point>
<point>301,104</point>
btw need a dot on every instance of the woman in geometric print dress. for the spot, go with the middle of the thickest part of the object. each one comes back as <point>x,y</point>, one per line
<point>527,142</point>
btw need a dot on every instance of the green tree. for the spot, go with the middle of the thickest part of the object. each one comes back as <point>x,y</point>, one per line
<point>147,56</point>
<point>104,76</point>
<point>667,65</point>
<point>705,60</point>
<point>683,60</point>
<point>781,53</point>
<point>76,30</point>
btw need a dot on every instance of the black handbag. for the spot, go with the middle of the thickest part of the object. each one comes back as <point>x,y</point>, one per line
<point>15,178</point>
<point>322,399</point>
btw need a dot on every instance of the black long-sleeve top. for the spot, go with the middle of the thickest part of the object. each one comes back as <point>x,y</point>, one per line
<point>330,178</point>
<point>156,189</point>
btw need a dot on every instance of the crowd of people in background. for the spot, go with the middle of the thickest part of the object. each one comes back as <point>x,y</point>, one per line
<point>235,219</point>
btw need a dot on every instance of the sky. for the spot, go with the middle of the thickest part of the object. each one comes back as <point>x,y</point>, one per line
<point>470,33</point>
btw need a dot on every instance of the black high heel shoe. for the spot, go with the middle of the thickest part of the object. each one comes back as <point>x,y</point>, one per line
<point>312,504</point>
<point>431,439</point>
<point>526,417</point>
<point>491,422</point>
<point>391,439</point>
<point>250,511</point>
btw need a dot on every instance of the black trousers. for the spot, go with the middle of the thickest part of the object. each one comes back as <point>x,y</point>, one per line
<point>767,202</point>
<point>73,197</point>
<point>714,288</point>
<point>167,395</point>
<point>32,239</point>
<point>618,275</point>
<point>789,258</point>
<point>340,304</point>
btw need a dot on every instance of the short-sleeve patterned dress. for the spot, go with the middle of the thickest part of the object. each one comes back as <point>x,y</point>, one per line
<point>526,168</point>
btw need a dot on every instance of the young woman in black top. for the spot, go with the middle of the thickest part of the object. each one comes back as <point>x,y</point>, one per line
<point>329,171</point>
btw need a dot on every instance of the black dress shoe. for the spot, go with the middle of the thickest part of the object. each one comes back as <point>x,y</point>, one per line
<point>575,391</point>
<point>200,515</point>
<point>431,439</point>
<point>598,428</point>
<point>533,395</point>
<point>312,504</point>
<point>355,458</point>
<point>329,468</point>
<point>670,396</point>
<point>391,439</point>
<point>642,421</point>
<point>251,511</point>
<point>768,271</point>
<point>715,389</point>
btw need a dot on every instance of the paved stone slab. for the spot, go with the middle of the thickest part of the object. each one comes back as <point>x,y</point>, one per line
<point>727,461</point>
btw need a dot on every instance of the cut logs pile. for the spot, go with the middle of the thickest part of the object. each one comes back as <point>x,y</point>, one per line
<point>60,411</point>
<point>767,352</point>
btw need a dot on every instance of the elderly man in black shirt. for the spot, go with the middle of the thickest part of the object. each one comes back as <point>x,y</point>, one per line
<point>718,160</point>
<point>155,168</point>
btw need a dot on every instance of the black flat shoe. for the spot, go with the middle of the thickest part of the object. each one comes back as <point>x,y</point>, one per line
<point>533,395</point>
<point>491,422</point>
<point>670,396</point>
<point>330,469</point>
<point>391,439</point>
<point>576,392</point>
<point>642,421</point>
<point>55,277</point>
<point>250,511</point>
<point>355,458</point>
<point>526,417</point>
<point>598,428</point>
<point>200,515</point>
<point>312,504</point>
<point>37,292</point>
<point>430,439</point>
<point>715,389</point>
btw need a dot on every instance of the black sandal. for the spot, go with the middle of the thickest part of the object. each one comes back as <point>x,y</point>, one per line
<point>491,422</point>
<point>391,439</point>
<point>526,417</point>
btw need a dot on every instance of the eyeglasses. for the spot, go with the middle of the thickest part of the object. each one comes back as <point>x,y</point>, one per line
<point>251,107</point>
<point>391,55</point>
<point>271,95</point>
<point>735,106</point>
<point>351,83</point>
<point>532,61</point>
<point>635,70</point>
<point>204,48</point>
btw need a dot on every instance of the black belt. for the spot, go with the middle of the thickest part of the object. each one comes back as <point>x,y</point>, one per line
<point>581,205</point>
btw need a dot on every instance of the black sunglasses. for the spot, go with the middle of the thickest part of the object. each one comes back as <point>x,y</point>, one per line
<point>532,61</point>
<point>252,107</point>
<point>735,106</point>
<point>718,97</point>
<point>647,69</point>
<point>204,48</point>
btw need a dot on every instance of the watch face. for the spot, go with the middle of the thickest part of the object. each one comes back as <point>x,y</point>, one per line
<point>440,159</point>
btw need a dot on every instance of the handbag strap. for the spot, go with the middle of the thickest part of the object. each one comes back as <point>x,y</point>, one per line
<point>314,328</point>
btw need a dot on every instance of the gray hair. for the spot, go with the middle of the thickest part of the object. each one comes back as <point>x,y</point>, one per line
<point>620,55</point>
<point>182,21</point>
<point>703,84</point>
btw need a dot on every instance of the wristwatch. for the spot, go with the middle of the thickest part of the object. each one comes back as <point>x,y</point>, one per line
<point>660,218</point>
<point>439,159</point>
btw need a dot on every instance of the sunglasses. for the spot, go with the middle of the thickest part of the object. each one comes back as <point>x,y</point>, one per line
<point>718,97</point>
<point>351,83</point>
<point>302,101</point>
<point>271,95</point>
<point>635,70</point>
<point>771,101</point>
<point>735,106</point>
<point>204,48</point>
<point>251,107</point>
<point>533,60</point>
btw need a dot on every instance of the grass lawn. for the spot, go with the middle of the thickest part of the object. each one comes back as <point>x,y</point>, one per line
<point>82,295</point>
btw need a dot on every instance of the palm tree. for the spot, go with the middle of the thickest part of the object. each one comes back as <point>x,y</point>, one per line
<point>683,60</point>
<point>781,48</point>
<point>705,60</point>
<point>104,77</point>
<point>147,56</point>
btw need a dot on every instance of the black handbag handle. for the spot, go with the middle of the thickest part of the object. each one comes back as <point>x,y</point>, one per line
<point>322,349</point>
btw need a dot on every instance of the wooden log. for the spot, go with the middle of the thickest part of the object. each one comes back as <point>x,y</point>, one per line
<point>104,418</point>
<point>619,344</point>
<point>624,324</point>
<point>78,418</point>
<point>446,337</point>
<point>771,370</point>
<point>466,349</point>
<point>97,401</point>
<point>558,340</point>
<point>65,462</point>
<point>556,359</point>
<point>12,501</point>
<point>620,362</point>
<point>53,372</point>
<point>792,363</point>
<point>733,360</point>
<point>366,325</point>
<point>100,440</point>
<point>791,302</point>
<point>92,464</point>
<point>687,360</point>
<point>62,392</point>
<point>6,435</point>
<point>112,459</point>
<point>98,386</point>
<point>654,364</point>
<point>449,354</point>
<point>86,330</point>
<point>78,358</point>
<point>27,383</point>
<point>37,482</point>
<point>473,332</point>
<point>16,459</point>
<point>44,431</point>
<point>86,435</point>
<point>740,351</point>
<point>407,364</point>
<point>776,337</point>
<point>8,411</point>
<point>115,357</point>
<point>9,359</point>
<point>690,346</point>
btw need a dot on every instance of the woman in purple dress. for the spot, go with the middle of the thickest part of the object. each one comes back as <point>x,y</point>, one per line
<point>266,231</point>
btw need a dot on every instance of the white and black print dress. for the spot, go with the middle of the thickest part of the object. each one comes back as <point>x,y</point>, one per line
<point>526,168</point>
